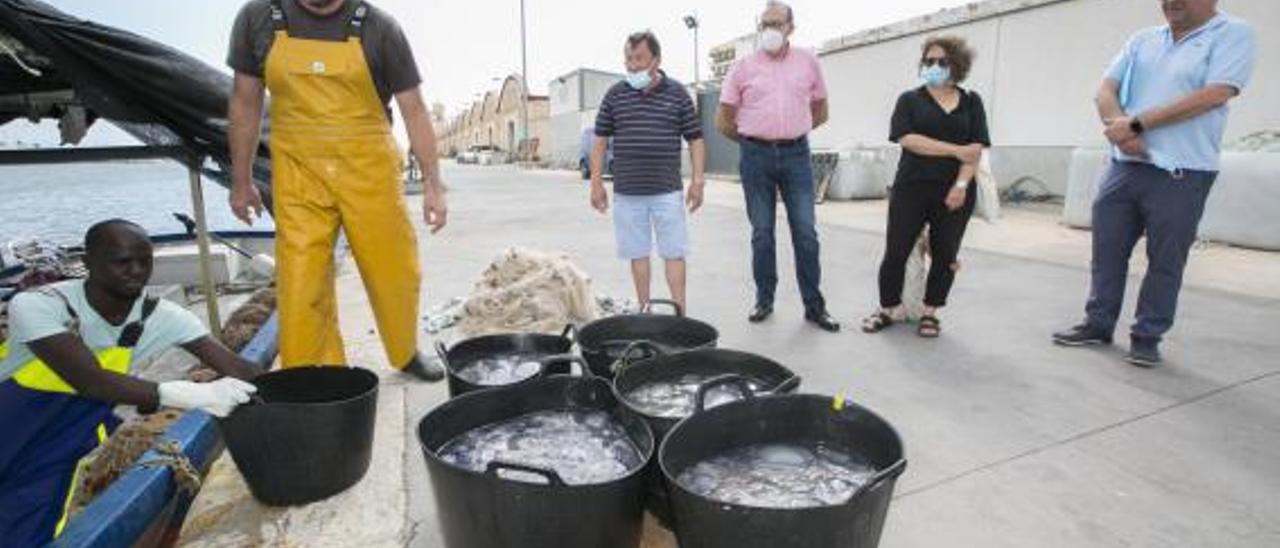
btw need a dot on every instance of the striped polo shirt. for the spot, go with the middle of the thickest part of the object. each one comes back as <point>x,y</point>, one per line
<point>646,126</point>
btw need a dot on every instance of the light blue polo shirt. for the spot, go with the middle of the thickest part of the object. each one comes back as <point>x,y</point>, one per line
<point>1155,71</point>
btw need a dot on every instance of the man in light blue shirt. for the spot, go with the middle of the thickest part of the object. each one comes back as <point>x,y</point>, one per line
<point>1163,104</point>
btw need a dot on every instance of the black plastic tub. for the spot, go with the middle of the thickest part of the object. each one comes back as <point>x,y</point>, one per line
<point>468,351</point>
<point>769,375</point>
<point>857,523</point>
<point>603,342</point>
<point>485,510</point>
<point>309,437</point>
<point>721,366</point>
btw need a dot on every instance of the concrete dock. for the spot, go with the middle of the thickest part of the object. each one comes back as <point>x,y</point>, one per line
<point>1011,441</point>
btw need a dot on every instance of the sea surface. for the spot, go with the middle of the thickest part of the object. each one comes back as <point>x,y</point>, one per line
<point>59,202</point>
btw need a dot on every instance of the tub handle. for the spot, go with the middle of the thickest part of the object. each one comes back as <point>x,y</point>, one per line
<point>628,356</point>
<point>648,308</point>
<point>570,332</point>
<point>738,381</point>
<point>892,471</point>
<point>553,478</point>
<point>443,353</point>
<point>787,386</point>
<point>583,369</point>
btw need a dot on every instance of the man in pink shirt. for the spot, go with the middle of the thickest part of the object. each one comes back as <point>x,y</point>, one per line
<point>769,103</point>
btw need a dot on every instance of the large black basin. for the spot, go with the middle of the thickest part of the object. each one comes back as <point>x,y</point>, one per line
<point>720,366</point>
<point>603,342</point>
<point>489,510</point>
<point>309,437</point>
<point>470,350</point>
<point>856,523</point>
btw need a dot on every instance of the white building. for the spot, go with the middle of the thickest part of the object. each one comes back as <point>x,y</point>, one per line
<point>1039,64</point>
<point>496,121</point>
<point>723,55</point>
<point>575,98</point>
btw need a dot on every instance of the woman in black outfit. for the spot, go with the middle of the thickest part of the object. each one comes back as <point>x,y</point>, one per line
<point>943,130</point>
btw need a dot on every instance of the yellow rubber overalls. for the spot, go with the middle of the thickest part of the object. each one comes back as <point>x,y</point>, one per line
<point>336,164</point>
<point>47,429</point>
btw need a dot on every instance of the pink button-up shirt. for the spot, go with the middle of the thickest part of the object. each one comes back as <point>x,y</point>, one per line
<point>774,96</point>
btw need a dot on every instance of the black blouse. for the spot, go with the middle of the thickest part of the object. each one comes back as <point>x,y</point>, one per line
<point>917,112</point>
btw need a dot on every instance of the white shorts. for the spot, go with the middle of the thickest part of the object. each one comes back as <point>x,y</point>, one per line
<point>637,218</point>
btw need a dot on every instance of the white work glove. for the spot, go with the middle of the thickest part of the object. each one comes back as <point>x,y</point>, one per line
<point>218,398</point>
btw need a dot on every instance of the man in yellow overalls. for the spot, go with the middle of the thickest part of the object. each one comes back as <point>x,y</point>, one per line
<point>67,364</point>
<point>332,67</point>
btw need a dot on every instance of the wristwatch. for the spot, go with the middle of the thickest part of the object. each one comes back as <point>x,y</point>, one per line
<point>1135,125</point>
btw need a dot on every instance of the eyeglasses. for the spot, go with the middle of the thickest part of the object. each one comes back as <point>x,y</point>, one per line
<point>941,62</point>
<point>778,25</point>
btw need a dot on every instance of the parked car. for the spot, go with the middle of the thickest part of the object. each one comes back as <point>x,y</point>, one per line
<point>466,157</point>
<point>584,155</point>
<point>492,155</point>
<point>485,155</point>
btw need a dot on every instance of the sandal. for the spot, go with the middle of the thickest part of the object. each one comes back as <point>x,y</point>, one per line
<point>877,322</point>
<point>930,327</point>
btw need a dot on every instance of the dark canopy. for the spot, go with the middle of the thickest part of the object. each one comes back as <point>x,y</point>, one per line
<point>53,65</point>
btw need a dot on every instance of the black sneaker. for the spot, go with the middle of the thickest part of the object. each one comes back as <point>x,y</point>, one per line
<point>1144,353</point>
<point>424,368</point>
<point>1082,335</point>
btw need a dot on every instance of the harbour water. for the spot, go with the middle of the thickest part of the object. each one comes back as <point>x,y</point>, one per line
<point>58,203</point>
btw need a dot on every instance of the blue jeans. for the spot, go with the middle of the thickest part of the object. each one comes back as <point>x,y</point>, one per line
<point>767,171</point>
<point>1136,199</point>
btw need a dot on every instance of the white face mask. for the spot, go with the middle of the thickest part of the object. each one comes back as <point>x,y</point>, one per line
<point>772,40</point>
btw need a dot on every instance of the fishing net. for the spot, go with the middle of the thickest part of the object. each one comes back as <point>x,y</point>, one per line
<point>528,291</point>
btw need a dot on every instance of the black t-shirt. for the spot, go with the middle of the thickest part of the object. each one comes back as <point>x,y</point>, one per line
<point>917,112</point>
<point>385,47</point>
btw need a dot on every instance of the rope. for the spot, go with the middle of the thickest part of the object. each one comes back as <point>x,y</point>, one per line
<point>1017,193</point>
<point>186,475</point>
<point>14,55</point>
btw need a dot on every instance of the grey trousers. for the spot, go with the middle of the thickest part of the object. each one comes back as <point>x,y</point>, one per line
<point>1137,199</point>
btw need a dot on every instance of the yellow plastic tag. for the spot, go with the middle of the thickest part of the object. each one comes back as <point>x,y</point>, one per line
<point>837,403</point>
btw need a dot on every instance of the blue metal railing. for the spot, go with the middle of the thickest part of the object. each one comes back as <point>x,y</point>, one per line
<point>145,507</point>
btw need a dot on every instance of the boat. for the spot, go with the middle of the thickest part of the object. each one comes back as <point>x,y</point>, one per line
<point>177,259</point>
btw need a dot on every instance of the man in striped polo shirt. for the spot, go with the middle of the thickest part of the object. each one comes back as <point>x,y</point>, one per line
<point>646,116</point>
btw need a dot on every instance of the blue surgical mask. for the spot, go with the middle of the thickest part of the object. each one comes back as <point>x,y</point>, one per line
<point>935,76</point>
<point>639,80</point>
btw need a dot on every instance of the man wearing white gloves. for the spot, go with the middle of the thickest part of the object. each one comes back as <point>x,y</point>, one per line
<point>67,364</point>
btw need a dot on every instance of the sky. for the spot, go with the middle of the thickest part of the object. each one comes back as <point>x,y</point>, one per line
<point>463,47</point>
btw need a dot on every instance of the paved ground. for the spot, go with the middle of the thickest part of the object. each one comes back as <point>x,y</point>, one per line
<point>1011,441</point>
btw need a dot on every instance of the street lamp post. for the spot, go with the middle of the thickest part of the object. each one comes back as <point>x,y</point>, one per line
<point>691,21</point>
<point>524,79</point>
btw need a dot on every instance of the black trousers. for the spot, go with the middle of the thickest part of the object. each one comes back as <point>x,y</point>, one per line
<point>912,206</point>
